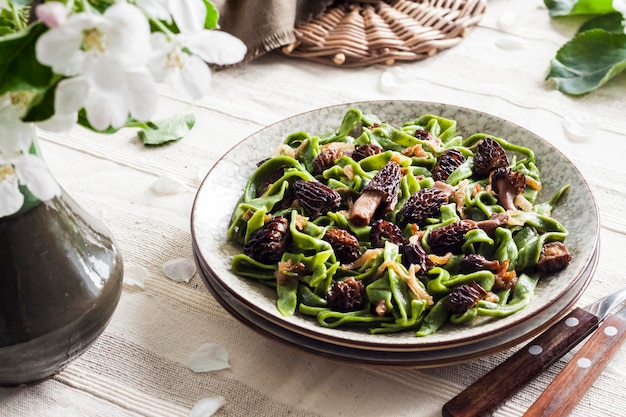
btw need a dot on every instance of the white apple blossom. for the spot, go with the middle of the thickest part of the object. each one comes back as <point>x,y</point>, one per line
<point>121,34</point>
<point>180,60</point>
<point>107,55</point>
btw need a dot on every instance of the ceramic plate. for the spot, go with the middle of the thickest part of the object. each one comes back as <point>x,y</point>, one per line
<point>391,358</point>
<point>223,185</point>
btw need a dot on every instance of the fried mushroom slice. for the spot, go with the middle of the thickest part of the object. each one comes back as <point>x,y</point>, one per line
<point>507,185</point>
<point>380,193</point>
<point>554,257</point>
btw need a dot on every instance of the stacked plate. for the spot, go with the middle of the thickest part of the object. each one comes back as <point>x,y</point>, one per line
<point>255,304</point>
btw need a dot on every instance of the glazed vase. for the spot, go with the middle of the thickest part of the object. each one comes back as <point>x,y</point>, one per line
<point>60,282</point>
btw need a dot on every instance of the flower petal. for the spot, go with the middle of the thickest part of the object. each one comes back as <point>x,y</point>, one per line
<point>34,174</point>
<point>16,135</point>
<point>141,95</point>
<point>59,122</point>
<point>180,269</point>
<point>161,48</point>
<point>135,276</point>
<point>208,357</point>
<point>189,15</point>
<point>52,13</point>
<point>104,110</point>
<point>11,199</point>
<point>206,407</point>
<point>217,47</point>
<point>155,8</point>
<point>128,35</point>
<point>71,94</point>
<point>194,79</point>
<point>169,184</point>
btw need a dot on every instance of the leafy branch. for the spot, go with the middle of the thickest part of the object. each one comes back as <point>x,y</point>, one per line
<point>596,54</point>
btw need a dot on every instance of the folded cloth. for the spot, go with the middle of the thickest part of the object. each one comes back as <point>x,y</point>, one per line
<point>266,25</point>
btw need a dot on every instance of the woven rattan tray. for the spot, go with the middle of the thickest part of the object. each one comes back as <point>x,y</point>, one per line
<point>362,33</point>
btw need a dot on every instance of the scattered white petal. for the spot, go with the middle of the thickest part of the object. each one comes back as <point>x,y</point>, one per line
<point>510,44</point>
<point>206,407</point>
<point>395,78</point>
<point>135,276</point>
<point>580,129</point>
<point>508,21</point>
<point>208,357</point>
<point>180,269</point>
<point>169,184</point>
<point>100,213</point>
<point>202,173</point>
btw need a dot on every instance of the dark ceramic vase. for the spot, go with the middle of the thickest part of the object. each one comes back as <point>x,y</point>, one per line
<point>60,282</point>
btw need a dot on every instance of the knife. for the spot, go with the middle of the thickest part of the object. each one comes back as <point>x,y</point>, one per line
<point>571,384</point>
<point>484,395</point>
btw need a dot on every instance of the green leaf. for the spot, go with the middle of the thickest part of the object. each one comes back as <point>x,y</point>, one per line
<point>212,16</point>
<point>611,22</point>
<point>19,68</point>
<point>11,22</point>
<point>579,7</point>
<point>167,130</point>
<point>42,105</point>
<point>588,61</point>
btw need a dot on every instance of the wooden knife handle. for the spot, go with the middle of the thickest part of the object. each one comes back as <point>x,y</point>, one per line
<point>570,385</point>
<point>491,390</point>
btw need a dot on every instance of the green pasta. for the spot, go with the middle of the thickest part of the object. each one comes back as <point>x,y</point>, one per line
<point>398,228</point>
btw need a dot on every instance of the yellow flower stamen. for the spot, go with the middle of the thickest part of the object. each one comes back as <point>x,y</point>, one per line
<point>20,100</point>
<point>6,172</point>
<point>175,59</point>
<point>94,40</point>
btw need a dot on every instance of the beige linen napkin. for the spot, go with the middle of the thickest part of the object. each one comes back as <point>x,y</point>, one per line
<point>266,25</point>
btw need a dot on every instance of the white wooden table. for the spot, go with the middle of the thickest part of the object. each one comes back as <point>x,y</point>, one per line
<point>138,367</point>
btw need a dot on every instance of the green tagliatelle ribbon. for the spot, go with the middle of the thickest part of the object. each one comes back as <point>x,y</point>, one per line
<point>394,298</point>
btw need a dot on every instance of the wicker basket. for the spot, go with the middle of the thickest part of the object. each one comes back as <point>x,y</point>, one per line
<point>362,33</point>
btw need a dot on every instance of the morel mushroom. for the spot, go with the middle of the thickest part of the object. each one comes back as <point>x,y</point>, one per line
<point>267,244</point>
<point>554,257</point>
<point>489,156</point>
<point>421,205</point>
<point>477,262</point>
<point>491,224</point>
<point>325,159</point>
<point>449,238</point>
<point>346,295</point>
<point>413,253</point>
<point>464,297</point>
<point>447,163</point>
<point>316,198</point>
<point>363,151</point>
<point>380,193</point>
<point>423,134</point>
<point>382,231</point>
<point>507,185</point>
<point>345,245</point>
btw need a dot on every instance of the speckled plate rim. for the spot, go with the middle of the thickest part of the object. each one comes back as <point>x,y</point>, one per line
<point>210,217</point>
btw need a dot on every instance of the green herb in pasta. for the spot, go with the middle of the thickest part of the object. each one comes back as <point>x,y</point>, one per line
<point>397,228</point>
